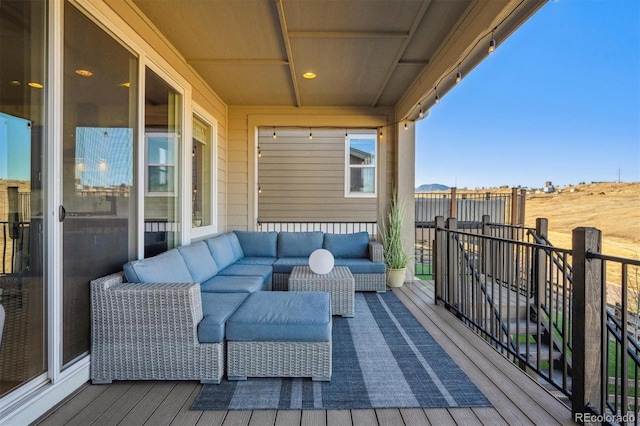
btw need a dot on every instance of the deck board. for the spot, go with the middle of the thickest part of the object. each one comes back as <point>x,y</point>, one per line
<point>516,398</point>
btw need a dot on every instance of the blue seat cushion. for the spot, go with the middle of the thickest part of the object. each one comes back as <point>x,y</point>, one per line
<point>298,244</point>
<point>361,266</point>
<point>354,245</point>
<point>199,261</point>
<point>285,316</point>
<point>285,265</point>
<point>217,308</point>
<point>223,251</point>
<point>263,271</point>
<point>256,261</point>
<point>258,244</point>
<point>233,284</point>
<point>167,267</point>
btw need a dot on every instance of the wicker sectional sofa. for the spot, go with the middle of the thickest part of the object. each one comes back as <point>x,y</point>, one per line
<point>164,317</point>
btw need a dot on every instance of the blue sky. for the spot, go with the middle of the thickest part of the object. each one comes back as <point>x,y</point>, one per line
<point>559,101</point>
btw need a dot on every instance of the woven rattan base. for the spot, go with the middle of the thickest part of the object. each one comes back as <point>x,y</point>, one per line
<point>279,359</point>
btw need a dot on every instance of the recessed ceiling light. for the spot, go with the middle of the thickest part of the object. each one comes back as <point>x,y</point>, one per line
<point>35,85</point>
<point>15,83</point>
<point>309,75</point>
<point>84,73</point>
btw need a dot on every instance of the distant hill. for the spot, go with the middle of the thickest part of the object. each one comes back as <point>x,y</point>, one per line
<point>431,187</point>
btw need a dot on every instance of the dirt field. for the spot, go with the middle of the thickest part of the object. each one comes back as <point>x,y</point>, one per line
<point>613,208</point>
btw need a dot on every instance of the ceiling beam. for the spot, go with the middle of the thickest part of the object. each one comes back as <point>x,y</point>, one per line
<point>237,62</point>
<point>287,45</point>
<point>414,26</point>
<point>348,34</point>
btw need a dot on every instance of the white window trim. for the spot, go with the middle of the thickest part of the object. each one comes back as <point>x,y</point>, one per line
<point>204,231</point>
<point>348,166</point>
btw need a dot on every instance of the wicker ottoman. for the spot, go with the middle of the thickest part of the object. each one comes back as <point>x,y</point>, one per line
<point>280,334</point>
<point>339,283</point>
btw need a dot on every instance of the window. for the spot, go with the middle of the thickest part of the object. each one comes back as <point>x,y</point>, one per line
<point>360,173</point>
<point>202,174</point>
<point>161,162</point>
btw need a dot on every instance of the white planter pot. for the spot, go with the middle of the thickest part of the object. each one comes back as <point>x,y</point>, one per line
<point>395,277</point>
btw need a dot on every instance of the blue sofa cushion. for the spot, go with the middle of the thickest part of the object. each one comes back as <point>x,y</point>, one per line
<point>298,244</point>
<point>258,244</point>
<point>361,266</point>
<point>167,267</point>
<point>299,316</point>
<point>235,245</point>
<point>217,308</point>
<point>199,261</point>
<point>233,284</point>
<point>286,264</point>
<point>263,271</point>
<point>347,245</point>
<point>257,261</point>
<point>222,251</point>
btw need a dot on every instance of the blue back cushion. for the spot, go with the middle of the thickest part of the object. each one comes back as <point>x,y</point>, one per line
<point>347,245</point>
<point>238,253</point>
<point>199,261</point>
<point>298,244</point>
<point>167,267</point>
<point>258,244</point>
<point>222,251</point>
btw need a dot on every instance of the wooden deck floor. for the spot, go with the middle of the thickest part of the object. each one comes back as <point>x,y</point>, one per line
<point>516,399</point>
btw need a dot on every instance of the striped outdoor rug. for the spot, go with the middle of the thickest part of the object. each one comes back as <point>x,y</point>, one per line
<point>382,358</point>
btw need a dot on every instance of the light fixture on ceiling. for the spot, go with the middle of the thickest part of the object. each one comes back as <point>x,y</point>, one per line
<point>15,83</point>
<point>35,85</point>
<point>492,43</point>
<point>84,73</point>
<point>309,75</point>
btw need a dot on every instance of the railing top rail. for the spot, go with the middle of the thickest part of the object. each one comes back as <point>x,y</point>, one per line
<point>318,221</point>
<point>600,256</point>
<point>506,225</point>
<point>507,240</point>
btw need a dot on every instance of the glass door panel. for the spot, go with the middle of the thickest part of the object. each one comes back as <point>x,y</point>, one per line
<point>163,128</point>
<point>99,141</point>
<point>22,120</point>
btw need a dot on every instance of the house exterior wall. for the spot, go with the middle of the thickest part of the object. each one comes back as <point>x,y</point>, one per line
<point>318,204</point>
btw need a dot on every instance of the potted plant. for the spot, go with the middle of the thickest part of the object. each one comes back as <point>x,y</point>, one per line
<point>395,255</point>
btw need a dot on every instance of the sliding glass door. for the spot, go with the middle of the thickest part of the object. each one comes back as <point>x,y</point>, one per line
<point>98,154</point>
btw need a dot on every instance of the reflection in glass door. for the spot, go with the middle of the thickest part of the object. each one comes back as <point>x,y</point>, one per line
<point>22,100</point>
<point>163,128</point>
<point>99,140</point>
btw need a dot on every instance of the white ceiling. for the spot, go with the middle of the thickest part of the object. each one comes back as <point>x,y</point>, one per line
<point>364,52</point>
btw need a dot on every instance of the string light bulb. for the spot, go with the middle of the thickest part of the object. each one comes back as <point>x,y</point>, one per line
<point>421,113</point>
<point>405,126</point>
<point>346,134</point>
<point>458,75</point>
<point>492,43</point>
<point>259,189</point>
<point>274,133</point>
<point>381,132</point>
<point>437,100</point>
<point>310,135</point>
<point>259,153</point>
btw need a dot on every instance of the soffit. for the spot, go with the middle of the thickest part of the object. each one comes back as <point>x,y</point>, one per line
<point>364,52</point>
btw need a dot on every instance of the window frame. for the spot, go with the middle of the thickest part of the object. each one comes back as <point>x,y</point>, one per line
<point>209,120</point>
<point>174,138</point>
<point>348,166</point>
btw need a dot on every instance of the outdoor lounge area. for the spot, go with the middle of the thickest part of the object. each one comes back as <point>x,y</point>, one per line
<point>514,398</point>
<point>147,147</point>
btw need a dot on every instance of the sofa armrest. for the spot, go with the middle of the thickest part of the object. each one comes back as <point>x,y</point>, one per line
<point>143,312</point>
<point>375,252</point>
